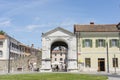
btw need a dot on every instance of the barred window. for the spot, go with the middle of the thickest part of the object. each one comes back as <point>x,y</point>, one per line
<point>115,62</point>
<point>87,62</point>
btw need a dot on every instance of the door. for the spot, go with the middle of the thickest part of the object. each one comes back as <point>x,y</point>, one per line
<point>101,64</point>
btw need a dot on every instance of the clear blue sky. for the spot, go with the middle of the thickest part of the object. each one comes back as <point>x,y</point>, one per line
<point>25,20</point>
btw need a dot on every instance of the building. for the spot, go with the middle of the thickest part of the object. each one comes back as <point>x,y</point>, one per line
<point>15,56</point>
<point>98,47</point>
<point>91,48</point>
<point>56,38</point>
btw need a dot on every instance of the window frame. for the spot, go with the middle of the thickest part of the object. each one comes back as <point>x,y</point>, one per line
<point>1,53</point>
<point>100,43</point>
<point>1,43</point>
<point>87,43</point>
<point>114,43</point>
<point>88,62</point>
<point>115,62</point>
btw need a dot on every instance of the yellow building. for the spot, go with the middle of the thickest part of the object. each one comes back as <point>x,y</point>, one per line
<point>98,47</point>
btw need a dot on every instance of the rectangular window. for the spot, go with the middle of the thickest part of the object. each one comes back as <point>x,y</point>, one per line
<point>87,43</point>
<point>1,53</point>
<point>114,43</point>
<point>1,43</point>
<point>100,43</point>
<point>60,54</point>
<point>115,62</point>
<point>55,54</point>
<point>87,62</point>
<point>55,59</point>
<point>61,59</point>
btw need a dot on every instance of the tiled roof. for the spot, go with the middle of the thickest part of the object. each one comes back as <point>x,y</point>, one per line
<point>2,37</point>
<point>96,28</point>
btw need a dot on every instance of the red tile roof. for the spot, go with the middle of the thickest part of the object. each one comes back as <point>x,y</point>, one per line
<point>96,28</point>
<point>2,37</point>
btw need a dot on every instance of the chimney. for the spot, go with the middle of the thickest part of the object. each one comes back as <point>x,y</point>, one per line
<point>32,45</point>
<point>91,23</point>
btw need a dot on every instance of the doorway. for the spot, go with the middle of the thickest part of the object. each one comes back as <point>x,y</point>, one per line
<point>59,52</point>
<point>101,64</point>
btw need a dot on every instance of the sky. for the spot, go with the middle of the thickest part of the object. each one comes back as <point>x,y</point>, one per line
<point>26,20</point>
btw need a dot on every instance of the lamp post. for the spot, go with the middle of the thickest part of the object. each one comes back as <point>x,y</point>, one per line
<point>107,57</point>
<point>9,56</point>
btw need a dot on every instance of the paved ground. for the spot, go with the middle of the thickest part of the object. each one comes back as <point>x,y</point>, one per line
<point>110,75</point>
<point>114,77</point>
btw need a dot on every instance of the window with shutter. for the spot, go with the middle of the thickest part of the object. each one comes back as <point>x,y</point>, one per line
<point>114,43</point>
<point>100,43</point>
<point>87,43</point>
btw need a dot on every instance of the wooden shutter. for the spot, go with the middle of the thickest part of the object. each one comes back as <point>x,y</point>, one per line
<point>90,43</point>
<point>110,43</point>
<point>83,43</point>
<point>104,43</point>
<point>97,43</point>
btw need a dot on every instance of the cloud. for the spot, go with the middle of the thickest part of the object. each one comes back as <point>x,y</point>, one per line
<point>32,27</point>
<point>20,7</point>
<point>5,23</point>
<point>67,24</point>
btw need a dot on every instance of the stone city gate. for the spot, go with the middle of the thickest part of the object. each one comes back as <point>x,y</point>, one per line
<point>59,37</point>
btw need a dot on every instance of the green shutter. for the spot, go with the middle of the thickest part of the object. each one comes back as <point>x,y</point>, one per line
<point>104,43</point>
<point>96,43</point>
<point>83,43</point>
<point>110,43</point>
<point>117,43</point>
<point>90,43</point>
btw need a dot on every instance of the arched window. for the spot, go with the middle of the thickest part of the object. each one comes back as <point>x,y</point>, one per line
<point>1,53</point>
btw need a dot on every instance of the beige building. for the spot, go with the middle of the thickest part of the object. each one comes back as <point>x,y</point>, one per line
<point>98,47</point>
<point>59,56</point>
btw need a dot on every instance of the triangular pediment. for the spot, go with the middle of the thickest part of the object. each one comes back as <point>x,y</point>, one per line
<point>58,32</point>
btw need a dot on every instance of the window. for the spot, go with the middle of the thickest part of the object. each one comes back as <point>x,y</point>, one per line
<point>61,59</point>
<point>115,62</point>
<point>1,53</point>
<point>114,43</point>
<point>100,43</point>
<point>87,62</point>
<point>60,54</point>
<point>87,43</point>
<point>1,43</point>
<point>55,54</point>
<point>55,59</point>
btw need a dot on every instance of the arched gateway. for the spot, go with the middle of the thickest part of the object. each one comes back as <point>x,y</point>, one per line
<point>59,48</point>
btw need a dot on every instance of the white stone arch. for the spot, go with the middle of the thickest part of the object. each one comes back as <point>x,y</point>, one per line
<point>58,34</point>
<point>59,39</point>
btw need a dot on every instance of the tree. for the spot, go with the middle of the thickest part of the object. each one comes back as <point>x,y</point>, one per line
<point>2,32</point>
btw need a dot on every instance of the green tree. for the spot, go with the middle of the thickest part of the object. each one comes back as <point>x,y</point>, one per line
<point>2,32</point>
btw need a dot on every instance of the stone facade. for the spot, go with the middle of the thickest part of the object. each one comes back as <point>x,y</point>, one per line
<point>60,37</point>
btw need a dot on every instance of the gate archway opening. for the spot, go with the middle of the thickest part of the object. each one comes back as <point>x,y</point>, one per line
<point>59,53</point>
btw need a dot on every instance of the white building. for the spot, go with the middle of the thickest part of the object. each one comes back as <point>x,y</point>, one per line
<point>14,55</point>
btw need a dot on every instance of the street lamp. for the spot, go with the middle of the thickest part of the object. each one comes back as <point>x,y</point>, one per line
<point>9,56</point>
<point>107,57</point>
